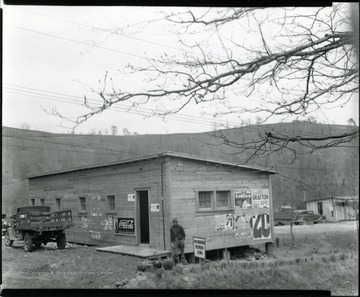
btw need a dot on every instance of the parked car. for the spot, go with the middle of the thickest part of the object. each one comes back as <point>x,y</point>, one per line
<point>307,216</point>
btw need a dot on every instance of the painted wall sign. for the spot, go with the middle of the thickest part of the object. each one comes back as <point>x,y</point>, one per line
<point>131,197</point>
<point>108,223</point>
<point>252,198</point>
<point>125,225</point>
<point>84,221</point>
<point>199,247</point>
<point>261,226</point>
<point>237,223</point>
<point>155,207</point>
<point>95,235</point>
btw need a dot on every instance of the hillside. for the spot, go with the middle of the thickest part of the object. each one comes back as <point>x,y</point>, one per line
<point>326,173</point>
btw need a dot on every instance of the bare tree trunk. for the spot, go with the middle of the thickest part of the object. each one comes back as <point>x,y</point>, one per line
<point>291,231</point>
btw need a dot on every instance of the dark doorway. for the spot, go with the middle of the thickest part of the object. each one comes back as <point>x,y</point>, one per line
<point>320,208</point>
<point>144,216</point>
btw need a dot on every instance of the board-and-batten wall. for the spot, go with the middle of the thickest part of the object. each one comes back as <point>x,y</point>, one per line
<point>96,226</point>
<point>188,177</point>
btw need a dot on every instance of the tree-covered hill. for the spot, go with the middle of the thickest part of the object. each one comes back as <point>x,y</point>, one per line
<point>327,172</point>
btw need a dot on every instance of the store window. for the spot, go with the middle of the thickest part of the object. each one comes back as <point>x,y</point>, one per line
<point>213,200</point>
<point>205,199</point>
<point>222,199</point>
<point>111,202</point>
<point>58,203</point>
<point>82,203</point>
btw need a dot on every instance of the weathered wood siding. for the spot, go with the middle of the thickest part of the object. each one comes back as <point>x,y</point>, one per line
<point>327,206</point>
<point>188,177</point>
<point>334,209</point>
<point>177,180</point>
<point>96,226</point>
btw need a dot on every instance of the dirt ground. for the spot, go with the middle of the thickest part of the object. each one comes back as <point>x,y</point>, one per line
<point>317,239</point>
<point>80,266</point>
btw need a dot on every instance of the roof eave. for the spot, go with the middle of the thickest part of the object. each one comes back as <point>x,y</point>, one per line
<point>154,156</point>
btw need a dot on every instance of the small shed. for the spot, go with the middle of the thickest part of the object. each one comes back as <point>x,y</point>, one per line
<point>132,202</point>
<point>335,208</point>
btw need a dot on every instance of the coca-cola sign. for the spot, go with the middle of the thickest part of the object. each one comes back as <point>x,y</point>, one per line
<point>125,225</point>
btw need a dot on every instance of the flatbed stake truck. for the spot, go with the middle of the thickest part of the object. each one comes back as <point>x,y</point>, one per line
<point>36,225</point>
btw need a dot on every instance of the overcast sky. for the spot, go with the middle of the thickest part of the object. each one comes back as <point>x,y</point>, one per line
<point>53,55</point>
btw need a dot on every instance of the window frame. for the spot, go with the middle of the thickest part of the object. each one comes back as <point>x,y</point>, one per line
<point>56,204</point>
<point>42,201</point>
<point>109,210</point>
<point>204,209</point>
<point>214,207</point>
<point>31,200</point>
<point>228,200</point>
<point>80,210</point>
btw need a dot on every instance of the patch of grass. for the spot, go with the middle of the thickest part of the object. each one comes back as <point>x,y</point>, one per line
<point>304,276</point>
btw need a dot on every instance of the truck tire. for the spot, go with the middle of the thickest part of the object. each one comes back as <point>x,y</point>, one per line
<point>61,241</point>
<point>28,243</point>
<point>8,241</point>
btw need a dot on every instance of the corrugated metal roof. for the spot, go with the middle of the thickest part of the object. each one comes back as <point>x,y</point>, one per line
<point>155,156</point>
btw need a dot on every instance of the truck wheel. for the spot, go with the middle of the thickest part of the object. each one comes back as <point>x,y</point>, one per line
<point>28,243</point>
<point>61,241</point>
<point>8,241</point>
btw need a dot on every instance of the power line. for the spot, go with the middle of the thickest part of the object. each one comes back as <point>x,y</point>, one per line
<point>70,99</point>
<point>111,32</point>
<point>114,108</point>
<point>76,41</point>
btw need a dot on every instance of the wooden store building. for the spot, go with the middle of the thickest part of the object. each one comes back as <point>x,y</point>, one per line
<point>132,202</point>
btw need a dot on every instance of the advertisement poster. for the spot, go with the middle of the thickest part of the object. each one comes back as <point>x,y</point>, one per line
<point>242,198</point>
<point>261,226</point>
<point>155,207</point>
<point>125,225</point>
<point>252,198</point>
<point>239,224</point>
<point>260,198</point>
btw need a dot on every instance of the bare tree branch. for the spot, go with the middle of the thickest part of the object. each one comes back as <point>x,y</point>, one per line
<point>305,64</point>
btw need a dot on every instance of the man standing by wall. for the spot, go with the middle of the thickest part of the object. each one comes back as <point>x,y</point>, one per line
<point>177,236</point>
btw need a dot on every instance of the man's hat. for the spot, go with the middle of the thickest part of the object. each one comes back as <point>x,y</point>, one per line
<point>175,220</point>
